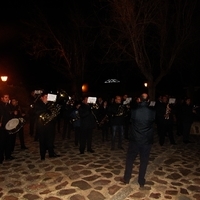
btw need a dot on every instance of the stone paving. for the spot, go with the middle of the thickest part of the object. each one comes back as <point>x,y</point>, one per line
<point>173,172</point>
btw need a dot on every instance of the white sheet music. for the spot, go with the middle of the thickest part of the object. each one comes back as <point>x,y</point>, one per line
<point>91,100</point>
<point>51,97</point>
<point>152,103</point>
<point>172,100</point>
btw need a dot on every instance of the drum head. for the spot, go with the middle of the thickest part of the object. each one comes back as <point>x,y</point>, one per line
<point>12,124</point>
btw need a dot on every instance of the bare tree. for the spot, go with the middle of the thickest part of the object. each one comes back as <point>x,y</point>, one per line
<point>150,33</point>
<point>63,41</point>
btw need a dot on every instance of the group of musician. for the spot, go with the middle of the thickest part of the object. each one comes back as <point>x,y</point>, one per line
<point>110,116</point>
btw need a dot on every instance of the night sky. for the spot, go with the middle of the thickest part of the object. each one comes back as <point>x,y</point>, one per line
<point>22,69</point>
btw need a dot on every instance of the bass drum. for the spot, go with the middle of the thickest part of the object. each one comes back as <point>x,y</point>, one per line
<point>14,125</point>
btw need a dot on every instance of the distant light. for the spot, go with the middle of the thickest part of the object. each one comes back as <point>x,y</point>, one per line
<point>85,88</point>
<point>112,81</point>
<point>145,84</point>
<point>4,78</point>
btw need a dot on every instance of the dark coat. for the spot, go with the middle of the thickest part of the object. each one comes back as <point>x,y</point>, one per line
<point>5,113</point>
<point>187,115</point>
<point>117,114</point>
<point>87,119</point>
<point>142,119</point>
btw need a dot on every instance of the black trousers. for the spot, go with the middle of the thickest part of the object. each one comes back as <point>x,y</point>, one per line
<point>85,139</point>
<point>186,126</point>
<point>5,145</point>
<point>20,133</point>
<point>46,139</point>
<point>166,129</point>
<point>144,152</point>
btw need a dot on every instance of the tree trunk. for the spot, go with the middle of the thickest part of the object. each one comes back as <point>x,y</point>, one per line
<point>151,90</point>
<point>76,88</point>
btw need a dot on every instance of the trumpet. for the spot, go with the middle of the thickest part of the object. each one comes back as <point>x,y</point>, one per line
<point>95,106</point>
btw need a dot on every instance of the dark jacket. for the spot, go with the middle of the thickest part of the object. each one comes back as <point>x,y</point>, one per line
<point>75,118</point>
<point>117,114</point>
<point>187,115</point>
<point>142,119</point>
<point>87,119</point>
<point>5,113</point>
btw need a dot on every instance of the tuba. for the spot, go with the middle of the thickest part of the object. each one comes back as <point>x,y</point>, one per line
<point>120,111</point>
<point>54,108</point>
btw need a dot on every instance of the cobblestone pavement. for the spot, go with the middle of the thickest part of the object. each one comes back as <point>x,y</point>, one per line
<point>173,172</point>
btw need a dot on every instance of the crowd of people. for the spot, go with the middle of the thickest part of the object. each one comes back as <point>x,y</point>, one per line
<point>120,118</point>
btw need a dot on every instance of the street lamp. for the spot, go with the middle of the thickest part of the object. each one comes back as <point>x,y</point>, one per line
<point>4,78</point>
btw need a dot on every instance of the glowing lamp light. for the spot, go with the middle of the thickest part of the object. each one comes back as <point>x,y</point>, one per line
<point>84,88</point>
<point>4,78</point>
<point>145,84</point>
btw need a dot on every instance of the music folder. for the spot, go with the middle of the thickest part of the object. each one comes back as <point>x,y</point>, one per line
<point>92,100</point>
<point>152,103</point>
<point>51,97</point>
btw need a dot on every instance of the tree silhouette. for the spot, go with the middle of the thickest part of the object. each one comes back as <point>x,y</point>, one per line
<point>150,33</point>
<point>62,39</point>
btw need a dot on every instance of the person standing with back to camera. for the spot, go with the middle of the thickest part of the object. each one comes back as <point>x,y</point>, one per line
<point>140,140</point>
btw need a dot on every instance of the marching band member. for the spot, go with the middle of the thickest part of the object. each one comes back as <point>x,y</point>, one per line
<point>87,124</point>
<point>18,113</point>
<point>5,137</point>
<point>165,120</point>
<point>126,101</point>
<point>46,131</point>
<point>117,113</point>
<point>75,120</point>
<point>104,121</point>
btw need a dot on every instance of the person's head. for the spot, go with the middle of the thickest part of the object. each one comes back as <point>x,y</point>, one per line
<point>105,103</point>
<point>5,98</point>
<point>44,97</point>
<point>118,99</point>
<point>144,97</point>
<point>165,99</point>
<point>188,101</point>
<point>14,102</point>
<point>85,100</point>
<point>99,100</point>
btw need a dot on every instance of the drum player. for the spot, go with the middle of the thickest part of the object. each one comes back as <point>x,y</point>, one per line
<point>18,113</point>
<point>5,137</point>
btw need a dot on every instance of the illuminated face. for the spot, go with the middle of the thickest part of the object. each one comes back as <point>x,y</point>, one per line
<point>14,102</point>
<point>188,101</point>
<point>85,100</point>
<point>118,99</point>
<point>44,98</point>
<point>165,99</point>
<point>5,98</point>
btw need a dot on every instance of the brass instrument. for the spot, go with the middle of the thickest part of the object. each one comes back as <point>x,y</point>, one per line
<point>104,120</point>
<point>95,106</point>
<point>53,111</point>
<point>53,108</point>
<point>168,111</point>
<point>120,111</point>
